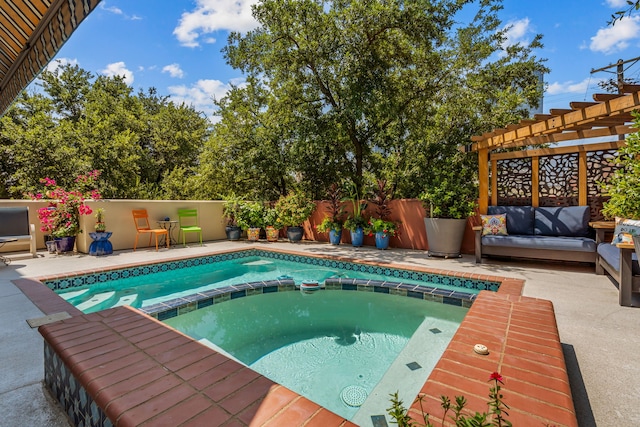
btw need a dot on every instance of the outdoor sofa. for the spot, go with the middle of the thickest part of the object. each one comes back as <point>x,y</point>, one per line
<point>555,233</point>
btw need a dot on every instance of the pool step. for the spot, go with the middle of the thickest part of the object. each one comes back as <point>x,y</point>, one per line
<point>73,295</point>
<point>126,300</point>
<point>96,300</point>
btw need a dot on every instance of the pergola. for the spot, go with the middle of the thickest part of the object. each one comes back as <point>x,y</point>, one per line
<point>31,33</point>
<point>608,115</point>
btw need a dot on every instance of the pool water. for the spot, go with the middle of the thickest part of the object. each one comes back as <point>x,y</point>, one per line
<point>156,287</point>
<point>332,347</point>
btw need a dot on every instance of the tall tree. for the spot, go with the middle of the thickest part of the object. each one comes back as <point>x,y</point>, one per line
<point>80,122</point>
<point>372,82</point>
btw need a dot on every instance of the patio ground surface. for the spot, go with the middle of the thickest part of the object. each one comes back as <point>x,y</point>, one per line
<point>599,338</point>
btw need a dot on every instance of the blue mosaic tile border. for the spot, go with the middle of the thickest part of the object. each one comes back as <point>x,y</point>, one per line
<point>124,273</point>
<point>394,274</point>
<point>74,399</point>
<point>178,306</point>
<point>390,272</point>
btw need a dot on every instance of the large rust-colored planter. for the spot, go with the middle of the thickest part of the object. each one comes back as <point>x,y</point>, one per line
<point>444,236</point>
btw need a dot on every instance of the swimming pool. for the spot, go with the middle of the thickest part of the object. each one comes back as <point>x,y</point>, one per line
<point>161,287</point>
<point>333,347</point>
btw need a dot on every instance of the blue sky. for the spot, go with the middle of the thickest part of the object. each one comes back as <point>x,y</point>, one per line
<point>175,45</point>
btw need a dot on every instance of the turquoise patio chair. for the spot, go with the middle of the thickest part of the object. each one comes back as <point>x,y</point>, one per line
<point>188,221</point>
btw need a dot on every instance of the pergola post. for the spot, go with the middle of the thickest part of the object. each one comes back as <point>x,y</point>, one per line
<point>483,180</point>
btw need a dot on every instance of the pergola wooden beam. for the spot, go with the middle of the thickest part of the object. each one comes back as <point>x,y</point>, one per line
<point>629,88</point>
<point>577,105</point>
<point>608,116</point>
<point>601,97</point>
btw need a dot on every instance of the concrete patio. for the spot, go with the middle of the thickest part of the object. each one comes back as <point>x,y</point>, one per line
<point>599,337</point>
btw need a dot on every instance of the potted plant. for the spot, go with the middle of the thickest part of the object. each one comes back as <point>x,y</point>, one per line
<point>379,224</point>
<point>333,221</point>
<point>449,199</point>
<point>101,244</point>
<point>382,230</point>
<point>250,218</point>
<point>230,212</point>
<point>272,223</point>
<point>294,209</point>
<point>355,223</point>
<point>61,218</point>
<point>100,226</point>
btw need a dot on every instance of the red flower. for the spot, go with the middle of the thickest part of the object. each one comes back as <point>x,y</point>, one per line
<point>496,377</point>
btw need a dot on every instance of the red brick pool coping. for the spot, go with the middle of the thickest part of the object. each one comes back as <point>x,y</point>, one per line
<point>141,372</point>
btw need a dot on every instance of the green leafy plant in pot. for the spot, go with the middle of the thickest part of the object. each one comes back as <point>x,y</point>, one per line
<point>356,222</point>
<point>333,222</point>
<point>100,226</point>
<point>230,211</point>
<point>250,217</point>
<point>272,223</point>
<point>449,199</point>
<point>294,209</point>
<point>379,223</point>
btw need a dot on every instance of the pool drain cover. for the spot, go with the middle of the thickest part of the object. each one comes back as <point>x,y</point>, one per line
<point>353,395</point>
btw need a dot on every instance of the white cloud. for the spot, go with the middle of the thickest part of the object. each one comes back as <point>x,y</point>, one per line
<point>117,11</point>
<point>201,94</point>
<point>617,3</point>
<point>112,9</point>
<point>616,38</point>
<point>174,70</point>
<point>212,15</point>
<point>517,32</point>
<point>557,88</point>
<point>59,62</point>
<point>119,69</point>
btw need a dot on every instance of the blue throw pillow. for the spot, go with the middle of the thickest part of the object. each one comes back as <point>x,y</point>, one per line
<point>519,218</point>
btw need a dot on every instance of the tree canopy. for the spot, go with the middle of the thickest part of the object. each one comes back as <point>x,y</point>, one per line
<point>357,91</point>
<point>364,90</point>
<point>78,123</point>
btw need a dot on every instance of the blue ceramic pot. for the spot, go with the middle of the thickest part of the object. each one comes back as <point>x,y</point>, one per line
<point>382,240</point>
<point>335,237</point>
<point>101,244</point>
<point>65,244</point>
<point>357,237</point>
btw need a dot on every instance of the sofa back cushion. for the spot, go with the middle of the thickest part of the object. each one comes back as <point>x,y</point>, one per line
<point>569,221</point>
<point>519,218</point>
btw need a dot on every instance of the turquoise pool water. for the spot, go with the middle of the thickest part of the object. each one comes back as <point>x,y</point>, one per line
<point>150,285</point>
<point>329,346</point>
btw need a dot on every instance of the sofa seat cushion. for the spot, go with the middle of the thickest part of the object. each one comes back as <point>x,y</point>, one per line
<point>519,218</point>
<point>611,254</point>
<point>567,221</point>
<point>578,244</point>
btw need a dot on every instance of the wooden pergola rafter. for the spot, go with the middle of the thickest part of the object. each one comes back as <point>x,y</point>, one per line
<point>610,114</point>
<point>607,115</point>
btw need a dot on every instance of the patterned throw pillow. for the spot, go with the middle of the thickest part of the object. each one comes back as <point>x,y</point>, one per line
<point>625,230</point>
<point>494,225</point>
